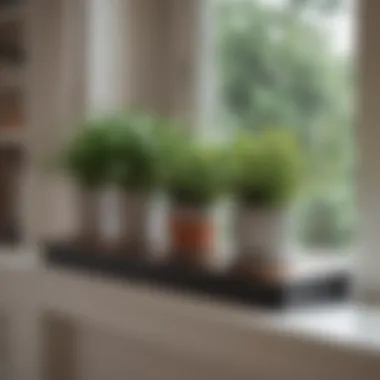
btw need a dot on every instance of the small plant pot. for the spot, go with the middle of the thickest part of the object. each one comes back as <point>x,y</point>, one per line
<point>261,238</point>
<point>191,234</point>
<point>134,209</point>
<point>89,226</point>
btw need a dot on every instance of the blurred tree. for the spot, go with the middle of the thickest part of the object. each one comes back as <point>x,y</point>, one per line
<point>317,5</point>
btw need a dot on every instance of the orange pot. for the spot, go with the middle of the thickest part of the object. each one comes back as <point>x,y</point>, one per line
<point>191,233</point>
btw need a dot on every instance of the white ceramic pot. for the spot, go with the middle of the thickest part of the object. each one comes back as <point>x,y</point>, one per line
<point>134,210</point>
<point>89,215</point>
<point>262,235</point>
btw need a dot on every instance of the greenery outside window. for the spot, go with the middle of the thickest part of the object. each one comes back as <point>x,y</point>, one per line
<point>290,64</point>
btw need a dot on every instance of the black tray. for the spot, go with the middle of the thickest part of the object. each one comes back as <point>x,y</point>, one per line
<point>332,287</point>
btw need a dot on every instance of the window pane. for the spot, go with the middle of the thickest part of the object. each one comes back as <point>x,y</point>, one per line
<point>290,64</point>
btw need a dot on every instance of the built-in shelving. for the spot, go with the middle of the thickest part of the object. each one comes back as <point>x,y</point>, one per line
<point>11,136</point>
<point>11,13</point>
<point>11,77</point>
<point>12,122</point>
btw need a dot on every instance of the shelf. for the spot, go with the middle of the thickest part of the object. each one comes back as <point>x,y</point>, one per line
<point>11,13</point>
<point>11,77</point>
<point>12,133</point>
<point>130,266</point>
<point>12,136</point>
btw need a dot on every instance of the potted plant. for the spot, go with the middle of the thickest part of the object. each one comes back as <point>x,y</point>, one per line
<point>135,171</point>
<point>87,160</point>
<point>193,180</point>
<point>265,174</point>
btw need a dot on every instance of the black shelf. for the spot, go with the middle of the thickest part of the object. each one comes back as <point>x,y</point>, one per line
<point>223,286</point>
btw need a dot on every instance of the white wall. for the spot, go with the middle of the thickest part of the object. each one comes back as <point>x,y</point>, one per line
<point>107,41</point>
<point>54,101</point>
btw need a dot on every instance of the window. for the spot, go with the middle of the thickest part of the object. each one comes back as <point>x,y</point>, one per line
<point>290,64</point>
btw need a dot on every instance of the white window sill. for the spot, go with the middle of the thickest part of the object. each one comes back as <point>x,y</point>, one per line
<point>204,327</point>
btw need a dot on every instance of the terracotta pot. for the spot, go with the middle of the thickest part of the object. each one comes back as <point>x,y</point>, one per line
<point>134,209</point>
<point>89,216</point>
<point>191,234</point>
<point>261,238</point>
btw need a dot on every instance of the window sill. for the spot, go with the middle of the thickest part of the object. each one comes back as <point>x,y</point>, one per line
<point>333,342</point>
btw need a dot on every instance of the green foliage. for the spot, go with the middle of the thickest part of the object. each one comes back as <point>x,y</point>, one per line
<point>328,222</point>
<point>278,68</point>
<point>194,173</point>
<point>323,6</point>
<point>170,138</point>
<point>87,157</point>
<point>265,168</point>
<point>120,149</point>
<point>135,153</point>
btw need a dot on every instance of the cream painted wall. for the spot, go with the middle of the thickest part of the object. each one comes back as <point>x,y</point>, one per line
<point>55,98</point>
<point>143,54</point>
<point>164,56</point>
<point>107,67</point>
